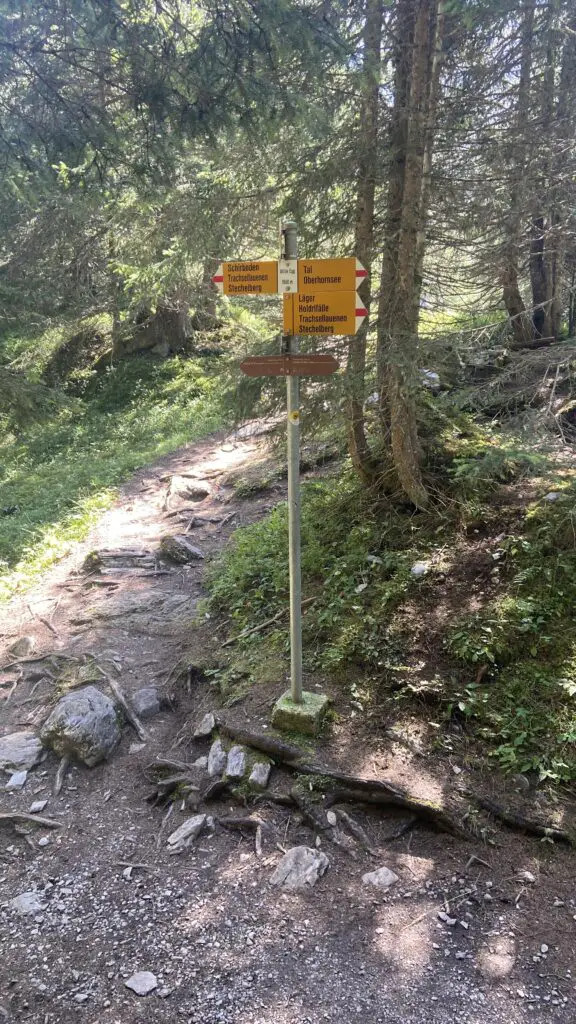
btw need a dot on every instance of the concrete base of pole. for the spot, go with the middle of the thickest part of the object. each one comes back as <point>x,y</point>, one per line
<point>306,717</point>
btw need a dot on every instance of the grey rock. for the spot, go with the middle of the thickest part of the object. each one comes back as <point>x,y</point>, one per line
<point>135,604</point>
<point>146,702</point>
<point>37,807</point>
<point>179,549</point>
<point>260,774</point>
<point>206,727</point>
<point>27,904</point>
<point>236,763</point>
<point>382,878</point>
<point>552,496</point>
<point>300,868</point>
<point>81,997</point>
<point>142,983</point>
<point>44,841</point>
<point>195,490</point>
<point>200,762</point>
<point>216,759</point>
<point>19,751</point>
<point>420,568</point>
<point>16,781</point>
<point>22,647</point>
<point>450,921</point>
<point>185,835</point>
<point>84,725</point>
<point>135,748</point>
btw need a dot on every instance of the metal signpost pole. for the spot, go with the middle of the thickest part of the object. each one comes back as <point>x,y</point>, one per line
<point>290,345</point>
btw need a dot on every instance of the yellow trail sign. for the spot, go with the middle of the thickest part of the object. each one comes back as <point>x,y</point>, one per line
<point>247,277</point>
<point>337,275</point>
<point>321,312</point>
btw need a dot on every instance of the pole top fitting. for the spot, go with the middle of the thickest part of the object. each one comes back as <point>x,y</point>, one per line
<point>290,240</point>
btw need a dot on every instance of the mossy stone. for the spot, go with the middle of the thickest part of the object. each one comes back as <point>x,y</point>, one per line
<point>306,717</point>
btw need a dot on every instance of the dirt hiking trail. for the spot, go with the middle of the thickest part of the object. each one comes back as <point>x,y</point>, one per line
<point>470,932</point>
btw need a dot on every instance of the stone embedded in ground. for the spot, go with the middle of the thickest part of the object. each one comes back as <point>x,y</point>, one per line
<point>194,490</point>
<point>146,702</point>
<point>27,904</point>
<point>142,983</point>
<point>16,781</point>
<point>552,496</point>
<point>420,568</point>
<point>179,549</point>
<point>300,868</point>
<point>187,832</point>
<point>200,762</point>
<point>206,727</point>
<point>135,748</point>
<point>22,647</point>
<point>83,726</point>
<point>37,807</point>
<point>217,758</point>
<point>236,763</point>
<point>260,774</point>
<point>19,751</point>
<point>306,717</point>
<point>382,878</point>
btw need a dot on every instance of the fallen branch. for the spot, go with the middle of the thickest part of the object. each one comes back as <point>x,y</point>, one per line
<point>520,823</point>
<point>263,625</point>
<point>18,816</point>
<point>128,711</point>
<point>249,822</point>
<point>60,775</point>
<point>41,619</point>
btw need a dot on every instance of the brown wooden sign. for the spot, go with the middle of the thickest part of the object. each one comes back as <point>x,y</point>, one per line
<point>296,365</point>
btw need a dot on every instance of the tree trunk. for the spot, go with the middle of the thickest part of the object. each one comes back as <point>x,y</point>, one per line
<point>418,34</point>
<point>364,231</point>
<point>543,245</point>
<point>522,327</point>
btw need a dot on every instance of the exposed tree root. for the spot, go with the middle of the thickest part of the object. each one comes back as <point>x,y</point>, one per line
<point>374,791</point>
<point>520,823</point>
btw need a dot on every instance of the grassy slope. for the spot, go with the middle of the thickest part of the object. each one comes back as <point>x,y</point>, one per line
<point>61,473</point>
<point>500,570</point>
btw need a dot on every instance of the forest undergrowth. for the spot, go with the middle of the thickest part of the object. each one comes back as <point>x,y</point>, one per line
<point>496,551</point>
<point>59,472</point>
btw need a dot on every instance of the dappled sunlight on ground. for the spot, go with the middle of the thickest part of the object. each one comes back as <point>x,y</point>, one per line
<point>403,938</point>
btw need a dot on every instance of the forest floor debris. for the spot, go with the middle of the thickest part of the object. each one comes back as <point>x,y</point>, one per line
<point>107,903</point>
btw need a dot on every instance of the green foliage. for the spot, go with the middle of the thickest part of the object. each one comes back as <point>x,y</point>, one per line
<point>60,475</point>
<point>490,462</point>
<point>355,561</point>
<point>527,709</point>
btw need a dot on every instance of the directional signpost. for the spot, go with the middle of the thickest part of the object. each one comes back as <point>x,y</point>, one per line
<point>320,298</point>
<point>289,365</point>
<point>323,312</point>
<point>245,277</point>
